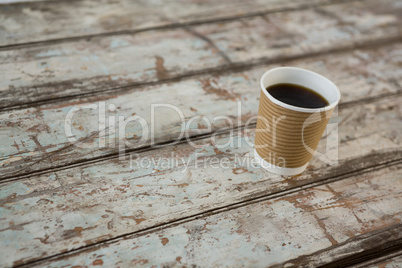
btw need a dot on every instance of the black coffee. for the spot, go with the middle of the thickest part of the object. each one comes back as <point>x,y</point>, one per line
<point>297,96</point>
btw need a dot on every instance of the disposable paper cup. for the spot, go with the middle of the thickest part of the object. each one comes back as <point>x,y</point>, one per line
<point>287,135</point>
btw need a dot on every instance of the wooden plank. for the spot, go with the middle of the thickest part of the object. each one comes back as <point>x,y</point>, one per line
<point>70,208</point>
<point>44,20</point>
<point>104,63</point>
<point>329,222</point>
<point>38,134</point>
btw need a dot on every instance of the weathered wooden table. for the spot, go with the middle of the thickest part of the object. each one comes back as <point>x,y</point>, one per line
<point>73,194</point>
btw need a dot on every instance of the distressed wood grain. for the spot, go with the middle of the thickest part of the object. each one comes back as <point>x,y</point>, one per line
<point>38,135</point>
<point>337,219</point>
<point>390,262</point>
<point>44,20</point>
<point>66,209</point>
<point>84,206</point>
<point>107,63</point>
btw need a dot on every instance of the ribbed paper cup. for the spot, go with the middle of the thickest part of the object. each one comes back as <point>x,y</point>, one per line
<point>287,135</point>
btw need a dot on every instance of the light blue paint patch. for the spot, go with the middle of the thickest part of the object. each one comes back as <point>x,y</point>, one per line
<point>52,177</point>
<point>207,151</point>
<point>100,64</point>
<point>49,53</point>
<point>372,80</point>
<point>137,253</point>
<point>199,44</point>
<point>151,72</point>
<point>118,43</point>
<point>235,143</point>
<point>3,211</point>
<point>13,188</point>
<point>9,238</point>
<point>50,113</point>
<point>27,201</point>
<point>256,176</point>
<point>195,123</point>
<point>180,197</point>
<point>143,198</point>
<point>86,220</point>
<point>14,207</point>
<point>138,166</point>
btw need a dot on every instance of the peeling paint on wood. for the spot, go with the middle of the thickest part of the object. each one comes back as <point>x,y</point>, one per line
<point>66,209</point>
<point>354,251</point>
<point>37,73</point>
<point>359,74</point>
<point>269,232</point>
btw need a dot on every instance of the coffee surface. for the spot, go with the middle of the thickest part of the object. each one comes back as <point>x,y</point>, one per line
<point>297,95</point>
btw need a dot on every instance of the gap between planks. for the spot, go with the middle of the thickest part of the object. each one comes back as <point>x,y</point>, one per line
<point>225,69</point>
<point>174,25</point>
<point>207,213</point>
<point>386,248</point>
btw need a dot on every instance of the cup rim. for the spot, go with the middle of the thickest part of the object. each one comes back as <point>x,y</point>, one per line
<point>296,108</point>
